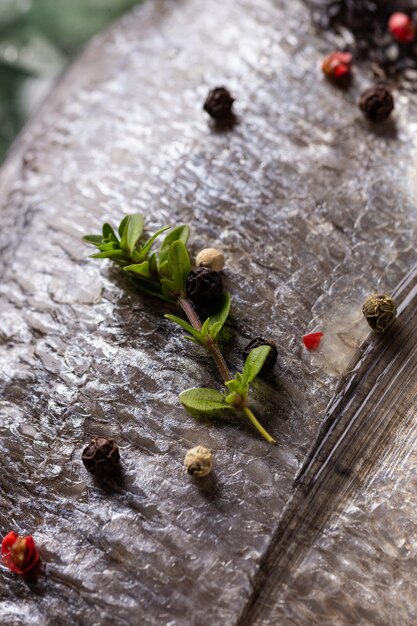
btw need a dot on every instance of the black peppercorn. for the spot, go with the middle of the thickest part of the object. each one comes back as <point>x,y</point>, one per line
<point>219,103</point>
<point>101,455</point>
<point>256,342</point>
<point>204,286</point>
<point>376,103</point>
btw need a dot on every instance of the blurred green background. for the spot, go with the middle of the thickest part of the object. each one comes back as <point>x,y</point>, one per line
<point>38,38</point>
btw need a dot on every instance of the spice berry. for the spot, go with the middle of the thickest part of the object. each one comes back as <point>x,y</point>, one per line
<point>219,103</point>
<point>19,554</point>
<point>198,462</point>
<point>211,258</point>
<point>401,26</point>
<point>380,311</point>
<point>376,103</point>
<point>312,340</point>
<point>337,66</point>
<point>101,455</point>
<point>204,286</point>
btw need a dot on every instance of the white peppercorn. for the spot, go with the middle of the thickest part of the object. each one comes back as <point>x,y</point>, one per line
<point>211,258</point>
<point>198,461</point>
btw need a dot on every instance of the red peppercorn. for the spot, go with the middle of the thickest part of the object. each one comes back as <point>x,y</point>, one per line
<point>19,554</point>
<point>337,66</point>
<point>312,341</point>
<point>401,26</point>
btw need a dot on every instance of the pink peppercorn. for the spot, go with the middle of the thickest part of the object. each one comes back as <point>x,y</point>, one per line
<point>312,340</point>
<point>19,554</point>
<point>337,66</point>
<point>401,26</point>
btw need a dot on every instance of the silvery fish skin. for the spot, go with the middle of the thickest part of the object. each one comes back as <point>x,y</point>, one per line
<point>359,443</point>
<point>313,208</point>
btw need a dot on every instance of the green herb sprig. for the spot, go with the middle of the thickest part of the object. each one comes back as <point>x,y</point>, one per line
<point>163,274</point>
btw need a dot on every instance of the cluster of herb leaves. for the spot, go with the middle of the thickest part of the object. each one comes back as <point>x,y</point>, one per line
<point>163,274</point>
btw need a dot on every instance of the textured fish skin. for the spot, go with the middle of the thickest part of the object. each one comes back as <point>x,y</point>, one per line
<point>313,210</point>
<point>376,400</point>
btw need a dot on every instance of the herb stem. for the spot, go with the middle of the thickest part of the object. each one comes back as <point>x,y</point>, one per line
<point>211,346</point>
<point>218,358</point>
<point>257,425</point>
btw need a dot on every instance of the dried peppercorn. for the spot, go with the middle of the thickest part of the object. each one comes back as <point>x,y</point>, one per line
<point>211,258</point>
<point>19,554</point>
<point>198,462</point>
<point>204,286</point>
<point>101,456</point>
<point>379,311</point>
<point>256,342</point>
<point>337,66</point>
<point>312,340</point>
<point>401,26</point>
<point>219,103</point>
<point>376,103</point>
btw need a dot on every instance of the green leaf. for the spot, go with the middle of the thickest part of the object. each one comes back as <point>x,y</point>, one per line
<point>222,313</point>
<point>148,244</point>
<point>239,392</point>
<point>237,386</point>
<point>131,233</point>
<point>231,398</point>
<point>168,288</point>
<point>218,318</point>
<point>205,327</point>
<point>193,339</point>
<point>185,325</point>
<point>95,240</point>
<point>108,233</point>
<point>139,268</point>
<point>111,245</point>
<point>179,265</point>
<point>203,399</point>
<point>214,330</point>
<point>163,269</point>
<point>179,233</point>
<point>122,225</point>
<point>110,254</point>
<point>146,287</point>
<point>254,363</point>
<point>153,264</point>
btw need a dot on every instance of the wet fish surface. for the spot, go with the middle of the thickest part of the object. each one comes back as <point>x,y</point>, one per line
<point>314,209</point>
